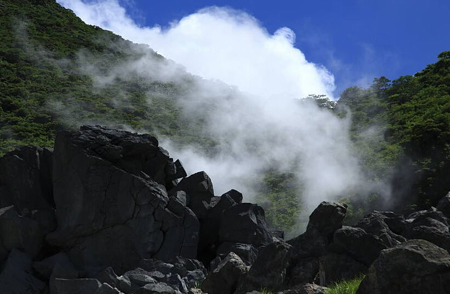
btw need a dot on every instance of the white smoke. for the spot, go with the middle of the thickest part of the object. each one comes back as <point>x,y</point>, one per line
<point>257,121</point>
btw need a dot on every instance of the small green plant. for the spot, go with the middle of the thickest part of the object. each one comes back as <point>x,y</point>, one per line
<point>266,291</point>
<point>345,287</point>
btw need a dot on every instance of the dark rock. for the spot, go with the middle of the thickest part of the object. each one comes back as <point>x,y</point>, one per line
<point>327,218</point>
<point>61,271</point>
<point>246,252</point>
<point>424,214</point>
<point>46,218</point>
<point>429,229</point>
<point>311,243</point>
<point>269,270</point>
<point>200,192</point>
<point>375,224</point>
<point>360,245</point>
<point>45,267</point>
<point>209,229</point>
<point>235,195</point>
<point>334,268</point>
<point>177,283</point>
<point>188,264</point>
<point>302,271</point>
<point>26,180</point>
<point>193,278</point>
<point>155,265</point>
<point>108,276</point>
<point>139,277</point>
<point>107,289</point>
<point>244,223</point>
<point>18,232</point>
<point>444,205</point>
<point>416,266</point>
<point>111,198</point>
<point>395,222</point>
<point>16,275</point>
<point>160,288</point>
<point>181,234</point>
<point>224,279</point>
<point>305,289</point>
<point>77,286</point>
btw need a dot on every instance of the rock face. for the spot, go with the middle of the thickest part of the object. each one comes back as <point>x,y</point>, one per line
<point>106,212</point>
<point>113,196</point>
<point>416,266</point>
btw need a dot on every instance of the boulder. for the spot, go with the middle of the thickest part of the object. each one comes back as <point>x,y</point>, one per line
<point>111,204</point>
<point>374,223</point>
<point>334,268</point>
<point>244,223</point>
<point>224,279</point>
<point>416,266</point>
<point>26,179</point>
<point>327,218</point>
<point>269,270</point>
<point>200,192</point>
<point>16,275</point>
<point>357,243</point>
<point>19,232</point>
<point>246,252</point>
<point>429,229</point>
<point>77,286</point>
<point>302,271</point>
<point>444,205</point>
<point>160,288</point>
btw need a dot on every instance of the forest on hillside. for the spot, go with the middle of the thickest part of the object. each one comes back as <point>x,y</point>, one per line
<point>400,128</point>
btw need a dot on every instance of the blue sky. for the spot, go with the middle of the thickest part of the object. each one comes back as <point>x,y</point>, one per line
<point>356,40</point>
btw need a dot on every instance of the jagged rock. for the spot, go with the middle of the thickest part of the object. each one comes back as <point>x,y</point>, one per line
<point>159,288</point>
<point>26,179</point>
<point>444,205</point>
<point>200,192</point>
<point>305,289</point>
<point>311,243</point>
<point>246,252</point>
<point>327,218</point>
<point>224,279</point>
<point>16,275</point>
<point>155,265</point>
<point>374,223</point>
<point>302,271</point>
<point>244,223</point>
<point>357,243</point>
<point>235,195</point>
<point>416,266</point>
<point>269,270</point>
<point>181,232</point>
<point>395,222</point>
<point>429,229</point>
<point>209,229</point>
<point>77,286</point>
<point>19,232</point>
<point>61,271</point>
<point>334,268</point>
<point>139,277</point>
<point>110,204</point>
<point>108,276</point>
<point>45,267</point>
<point>107,289</point>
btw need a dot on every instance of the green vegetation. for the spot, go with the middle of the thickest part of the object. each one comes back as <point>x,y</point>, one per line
<point>345,287</point>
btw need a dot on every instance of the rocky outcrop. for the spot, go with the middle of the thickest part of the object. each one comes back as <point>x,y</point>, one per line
<point>417,266</point>
<point>106,212</point>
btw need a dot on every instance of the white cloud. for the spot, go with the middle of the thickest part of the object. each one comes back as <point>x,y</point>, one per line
<point>263,123</point>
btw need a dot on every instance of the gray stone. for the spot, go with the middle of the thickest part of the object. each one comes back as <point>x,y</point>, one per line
<point>224,279</point>
<point>77,286</point>
<point>360,245</point>
<point>19,232</point>
<point>270,268</point>
<point>16,275</point>
<point>414,267</point>
<point>160,288</point>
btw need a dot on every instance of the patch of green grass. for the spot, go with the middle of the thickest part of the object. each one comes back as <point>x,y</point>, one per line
<point>345,287</point>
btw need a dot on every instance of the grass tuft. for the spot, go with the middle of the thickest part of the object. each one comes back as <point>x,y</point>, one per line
<point>345,287</point>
